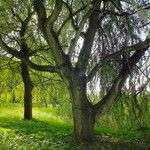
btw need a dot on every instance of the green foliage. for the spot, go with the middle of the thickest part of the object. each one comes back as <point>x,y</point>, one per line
<point>128,113</point>
<point>47,87</point>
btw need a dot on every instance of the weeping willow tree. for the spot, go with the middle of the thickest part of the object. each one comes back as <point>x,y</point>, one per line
<point>81,37</point>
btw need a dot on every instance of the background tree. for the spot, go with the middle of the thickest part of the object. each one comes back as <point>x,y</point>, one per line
<point>64,24</point>
<point>15,35</point>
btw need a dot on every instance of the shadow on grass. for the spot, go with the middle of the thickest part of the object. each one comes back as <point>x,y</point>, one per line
<point>35,126</point>
<point>56,135</point>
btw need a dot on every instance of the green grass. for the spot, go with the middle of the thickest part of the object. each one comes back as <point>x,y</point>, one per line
<point>44,132</point>
<point>48,131</point>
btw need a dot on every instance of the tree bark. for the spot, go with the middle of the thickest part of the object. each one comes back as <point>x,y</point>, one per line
<point>83,123</point>
<point>28,86</point>
<point>83,114</point>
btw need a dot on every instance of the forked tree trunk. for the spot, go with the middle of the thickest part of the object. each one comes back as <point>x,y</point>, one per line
<point>27,91</point>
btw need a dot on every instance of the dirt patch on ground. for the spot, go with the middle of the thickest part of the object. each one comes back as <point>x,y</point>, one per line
<point>107,143</point>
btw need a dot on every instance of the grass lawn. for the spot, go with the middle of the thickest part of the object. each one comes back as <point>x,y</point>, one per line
<point>50,132</point>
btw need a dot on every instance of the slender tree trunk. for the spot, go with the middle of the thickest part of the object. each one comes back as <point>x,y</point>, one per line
<point>27,91</point>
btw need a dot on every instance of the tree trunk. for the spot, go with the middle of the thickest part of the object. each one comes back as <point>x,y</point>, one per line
<point>83,124</point>
<point>83,115</point>
<point>27,91</point>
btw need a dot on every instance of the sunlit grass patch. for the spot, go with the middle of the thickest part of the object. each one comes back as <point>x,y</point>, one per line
<point>15,111</point>
<point>46,114</point>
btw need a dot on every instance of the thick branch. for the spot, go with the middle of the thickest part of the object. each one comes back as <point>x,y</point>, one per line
<point>114,91</point>
<point>80,27</point>
<point>74,25</point>
<point>28,18</point>
<point>9,50</point>
<point>21,56</point>
<point>40,49</point>
<point>78,32</point>
<point>88,40</point>
<point>46,68</point>
<point>24,25</point>
<point>41,12</point>
<point>46,26</point>
<point>135,47</point>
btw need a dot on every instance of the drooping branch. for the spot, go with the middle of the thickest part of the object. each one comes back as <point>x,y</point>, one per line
<point>145,75</point>
<point>117,4</point>
<point>143,87</point>
<point>126,13</point>
<point>135,47</point>
<point>114,91</point>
